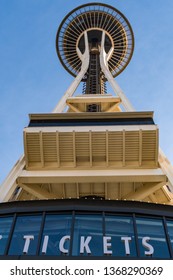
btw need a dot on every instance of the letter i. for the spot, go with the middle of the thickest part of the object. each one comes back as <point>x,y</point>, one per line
<point>45,243</point>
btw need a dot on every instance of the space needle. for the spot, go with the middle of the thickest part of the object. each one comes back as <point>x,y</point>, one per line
<point>93,181</point>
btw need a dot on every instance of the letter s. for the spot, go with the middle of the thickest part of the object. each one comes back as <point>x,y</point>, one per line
<point>147,246</point>
<point>11,271</point>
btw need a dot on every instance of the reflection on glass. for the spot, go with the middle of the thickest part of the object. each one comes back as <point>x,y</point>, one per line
<point>88,235</point>
<point>5,226</point>
<point>170,230</point>
<point>151,238</point>
<point>56,235</point>
<point>25,235</point>
<point>121,231</point>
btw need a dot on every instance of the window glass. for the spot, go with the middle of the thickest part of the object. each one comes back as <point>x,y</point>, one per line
<point>121,233</point>
<point>25,235</point>
<point>151,238</point>
<point>88,235</point>
<point>56,235</point>
<point>170,230</point>
<point>5,226</point>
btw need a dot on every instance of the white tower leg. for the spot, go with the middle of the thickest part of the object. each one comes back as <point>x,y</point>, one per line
<point>104,57</point>
<point>70,91</point>
<point>9,185</point>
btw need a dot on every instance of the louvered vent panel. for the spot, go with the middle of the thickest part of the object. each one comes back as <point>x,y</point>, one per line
<point>98,146</point>
<point>49,147</point>
<point>115,151</point>
<point>66,147</point>
<point>77,149</point>
<point>149,143</point>
<point>131,146</point>
<point>33,147</point>
<point>82,147</point>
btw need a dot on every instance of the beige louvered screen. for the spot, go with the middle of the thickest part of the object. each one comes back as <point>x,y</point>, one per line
<point>138,148</point>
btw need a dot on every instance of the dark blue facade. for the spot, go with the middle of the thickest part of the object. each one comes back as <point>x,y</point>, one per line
<point>85,229</point>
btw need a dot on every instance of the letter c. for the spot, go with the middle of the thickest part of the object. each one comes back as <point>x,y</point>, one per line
<point>61,244</point>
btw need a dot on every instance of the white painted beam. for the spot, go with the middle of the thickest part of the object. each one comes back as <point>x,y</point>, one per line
<point>73,108</point>
<point>167,168</point>
<point>144,191</point>
<point>73,176</point>
<point>97,98</point>
<point>37,191</point>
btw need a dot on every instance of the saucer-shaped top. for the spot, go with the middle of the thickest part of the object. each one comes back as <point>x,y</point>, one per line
<point>95,18</point>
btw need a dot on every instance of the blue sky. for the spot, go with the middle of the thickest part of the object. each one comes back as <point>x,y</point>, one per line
<point>32,79</point>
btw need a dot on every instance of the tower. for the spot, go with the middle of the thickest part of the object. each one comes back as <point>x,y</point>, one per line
<point>93,160</point>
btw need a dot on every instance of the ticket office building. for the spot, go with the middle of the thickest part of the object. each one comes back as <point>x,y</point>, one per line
<point>75,228</point>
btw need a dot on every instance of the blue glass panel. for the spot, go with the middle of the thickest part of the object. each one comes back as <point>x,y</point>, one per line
<point>88,235</point>
<point>170,230</point>
<point>25,235</point>
<point>121,231</point>
<point>5,226</point>
<point>55,228</point>
<point>154,229</point>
